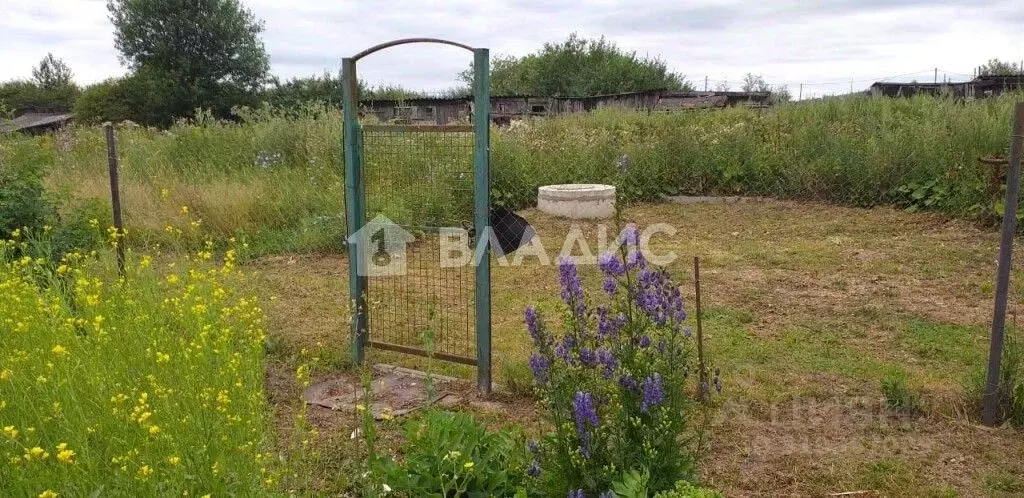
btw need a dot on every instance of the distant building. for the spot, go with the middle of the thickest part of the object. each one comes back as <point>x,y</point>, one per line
<point>988,86</point>
<point>34,123</point>
<point>419,110</point>
<point>886,89</point>
<point>978,88</point>
<point>505,108</point>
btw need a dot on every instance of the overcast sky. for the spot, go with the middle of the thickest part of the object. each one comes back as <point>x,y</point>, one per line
<point>822,43</point>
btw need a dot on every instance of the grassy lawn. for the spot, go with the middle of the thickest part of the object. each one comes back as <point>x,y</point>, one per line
<point>807,308</point>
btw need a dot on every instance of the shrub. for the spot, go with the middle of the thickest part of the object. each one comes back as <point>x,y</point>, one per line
<point>613,384</point>
<point>22,200</point>
<point>449,453</point>
<point>898,395</point>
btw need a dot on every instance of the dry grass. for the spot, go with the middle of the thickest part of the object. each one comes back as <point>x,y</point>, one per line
<point>807,308</point>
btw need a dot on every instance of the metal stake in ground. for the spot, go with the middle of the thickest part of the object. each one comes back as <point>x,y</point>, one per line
<point>703,373</point>
<point>115,197</point>
<point>990,400</point>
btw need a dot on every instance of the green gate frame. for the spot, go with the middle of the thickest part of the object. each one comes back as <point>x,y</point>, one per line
<point>355,199</point>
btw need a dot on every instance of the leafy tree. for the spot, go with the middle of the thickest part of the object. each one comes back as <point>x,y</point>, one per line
<point>579,67</point>
<point>192,53</point>
<point>20,96</point>
<point>722,86</point>
<point>755,83</point>
<point>996,67</point>
<point>780,94</point>
<point>52,73</point>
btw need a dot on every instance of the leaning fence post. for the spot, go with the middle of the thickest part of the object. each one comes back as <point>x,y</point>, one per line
<point>990,399</point>
<point>701,367</point>
<point>115,197</point>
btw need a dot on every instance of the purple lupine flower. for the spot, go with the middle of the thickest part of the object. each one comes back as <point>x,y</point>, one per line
<point>539,365</point>
<point>585,445</point>
<point>610,285</point>
<point>564,350</point>
<point>533,325</point>
<point>587,357</point>
<point>534,469</point>
<point>631,235</point>
<point>687,332</point>
<point>572,287</point>
<point>606,358</point>
<point>645,342</point>
<point>607,326</point>
<point>531,445</point>
<point>635,259</point>
<point>562,353</point>
<point>576,493</point>
<point>718,381</point>
<point>628,382</point>
<point>584,411</point>
<point>653,393</point>
<point>607,494</point>
<point>611,265</point>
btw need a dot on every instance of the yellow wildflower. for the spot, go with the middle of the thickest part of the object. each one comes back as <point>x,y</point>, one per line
<point>165,193</point>
<point>184,209</point>
<point>173,460</point>
<point>154,430</point>
<point>65,455</point>
<point>59,350</point>
<point>47,494</point>
<point>468,465</point>
<point>5,374</point>
<point>10,432</point>
<point>37,453</point>
<point>145,471</point>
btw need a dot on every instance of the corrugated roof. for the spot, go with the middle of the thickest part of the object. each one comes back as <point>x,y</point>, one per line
<point>32,120</point>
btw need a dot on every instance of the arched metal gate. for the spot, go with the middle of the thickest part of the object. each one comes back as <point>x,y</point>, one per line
<point>408,188</point>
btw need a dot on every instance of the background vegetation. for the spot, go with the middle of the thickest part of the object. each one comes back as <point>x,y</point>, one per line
<point>277,174</point>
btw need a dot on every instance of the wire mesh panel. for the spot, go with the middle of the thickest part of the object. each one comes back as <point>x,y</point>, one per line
<point>421,179</point>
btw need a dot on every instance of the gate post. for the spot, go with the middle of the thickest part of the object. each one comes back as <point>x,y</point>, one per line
<point>354,217</point>
<point>482,209</point>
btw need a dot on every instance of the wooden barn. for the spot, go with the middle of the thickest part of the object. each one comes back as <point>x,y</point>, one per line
<point>673,101</point>
<point>885,89</point>
<point>988,86</point>
<point>507,107</point>
<point>419,110</point>
<point>36,123</point>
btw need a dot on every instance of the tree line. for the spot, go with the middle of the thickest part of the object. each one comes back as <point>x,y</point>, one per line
<point>187,55</point>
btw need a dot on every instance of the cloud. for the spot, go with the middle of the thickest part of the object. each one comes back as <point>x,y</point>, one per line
<point>787,41</point>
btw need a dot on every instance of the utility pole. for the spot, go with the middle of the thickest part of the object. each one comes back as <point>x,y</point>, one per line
<point>800,96</point>
<point>705,83</point>
<point>936,76</point>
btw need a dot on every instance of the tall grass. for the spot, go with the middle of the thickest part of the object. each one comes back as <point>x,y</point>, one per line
<point>150,384</point>
<point>276,177</point>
